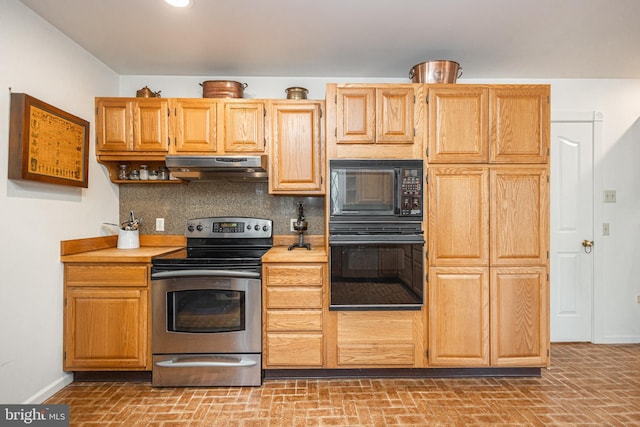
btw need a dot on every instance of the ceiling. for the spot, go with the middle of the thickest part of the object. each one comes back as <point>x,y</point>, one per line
<point>355,38</point>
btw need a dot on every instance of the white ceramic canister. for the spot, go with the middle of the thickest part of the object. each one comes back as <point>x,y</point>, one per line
<point>128,239</point>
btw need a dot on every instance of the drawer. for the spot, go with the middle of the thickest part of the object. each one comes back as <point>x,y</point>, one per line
<point>106,275</point>
<point>295,349</point>
<point>293,297</point>
<point>294,320</point>
<point>376,354</point>
<point>298,275</point>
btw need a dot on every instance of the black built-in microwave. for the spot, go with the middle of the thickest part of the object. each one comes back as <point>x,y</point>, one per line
<point>376,190</point>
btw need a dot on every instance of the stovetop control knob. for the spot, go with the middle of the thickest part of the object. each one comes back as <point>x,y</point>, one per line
<point>256,227</point>
<point>265,228</point>
<point>190,228</point>
<point>199,227</point>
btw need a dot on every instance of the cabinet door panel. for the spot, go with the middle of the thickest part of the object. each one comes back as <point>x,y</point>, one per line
<point>106,329</point>
<point>114,125</point>
<point>458,125</point>
<point>520,117</point>
<point>356,116</point>
<point>519,216</point>
<point>297,160</point>
<point>195,127</point>
<point>519,316</point>
<point>244,127</point>
<point>459,316</point>
<point>458,216</point>
<point>394,116</point>
<point>151,125</point>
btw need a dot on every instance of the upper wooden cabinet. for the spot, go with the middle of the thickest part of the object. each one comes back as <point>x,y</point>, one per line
<point>296,163</point>
<point>458,124</point>
<point>244,126</point>
<point>520,124</point>
<point>195,126</point>
<point>479,124</point>
<point>132,124</point>
<point>387,116</point>
<point>202,126</point>
<point>370,115</point>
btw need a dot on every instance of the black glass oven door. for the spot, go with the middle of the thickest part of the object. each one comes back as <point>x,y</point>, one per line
<point>377,276</point>
<point>205,311</point>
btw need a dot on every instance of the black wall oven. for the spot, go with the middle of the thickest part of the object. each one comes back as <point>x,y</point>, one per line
<point>379,267</point>
<point>376,240</point>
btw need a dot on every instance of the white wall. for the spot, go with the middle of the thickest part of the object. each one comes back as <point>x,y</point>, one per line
<point>617,318</point>
<point>38,60</point>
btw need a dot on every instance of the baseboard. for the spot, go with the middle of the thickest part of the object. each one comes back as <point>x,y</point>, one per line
<point>49,390</point>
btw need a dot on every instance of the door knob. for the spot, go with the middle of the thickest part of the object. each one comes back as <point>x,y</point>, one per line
<point>587,244</point>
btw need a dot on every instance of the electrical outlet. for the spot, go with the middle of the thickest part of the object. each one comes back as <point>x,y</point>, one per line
<point>293,222</point>
<point>159,224</point>
<point>609,196</point>
<point>605,228</point>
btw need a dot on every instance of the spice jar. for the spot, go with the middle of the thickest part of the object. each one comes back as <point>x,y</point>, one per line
<point>164,173</point>
<point>144,172</point>
<point>134,175</point>
<point>122,173</point>
<point>153,175</point>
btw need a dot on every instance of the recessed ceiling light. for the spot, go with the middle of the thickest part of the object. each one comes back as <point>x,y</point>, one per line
<point>179,3</point>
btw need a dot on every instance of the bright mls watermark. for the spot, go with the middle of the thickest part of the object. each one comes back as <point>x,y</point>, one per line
<point>34,415</point>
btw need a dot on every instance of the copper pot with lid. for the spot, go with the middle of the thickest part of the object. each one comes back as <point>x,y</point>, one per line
<point>223,89</point>
<point>145,92</point>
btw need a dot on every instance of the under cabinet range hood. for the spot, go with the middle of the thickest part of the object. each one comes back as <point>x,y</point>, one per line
<point>212,168</point>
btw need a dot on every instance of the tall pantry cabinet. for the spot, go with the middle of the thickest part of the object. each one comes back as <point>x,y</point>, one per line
<point>488,225</point>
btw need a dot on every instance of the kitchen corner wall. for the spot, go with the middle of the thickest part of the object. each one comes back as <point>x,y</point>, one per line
<point>178,202</point>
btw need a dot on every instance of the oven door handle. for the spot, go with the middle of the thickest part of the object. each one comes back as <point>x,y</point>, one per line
<point>207,273</point>
<point>375,241</point>
<point>176,363</point>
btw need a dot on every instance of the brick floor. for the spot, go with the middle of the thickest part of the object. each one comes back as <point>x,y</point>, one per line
<point>587,385</point>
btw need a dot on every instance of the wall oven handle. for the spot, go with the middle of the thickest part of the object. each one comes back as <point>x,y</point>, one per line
<point>208,273</point>
<point>177,363</point>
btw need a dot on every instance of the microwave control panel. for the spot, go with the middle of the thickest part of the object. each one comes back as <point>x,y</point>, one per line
<point>411,192</point>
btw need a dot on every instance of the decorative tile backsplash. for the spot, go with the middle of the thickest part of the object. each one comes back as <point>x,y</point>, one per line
<point>178,202</point>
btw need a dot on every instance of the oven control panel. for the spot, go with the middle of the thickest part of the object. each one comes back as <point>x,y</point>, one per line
<point>229,227</point>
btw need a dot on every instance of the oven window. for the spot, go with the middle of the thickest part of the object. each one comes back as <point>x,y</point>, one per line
<point>206,311</point>
<point>381,275</point>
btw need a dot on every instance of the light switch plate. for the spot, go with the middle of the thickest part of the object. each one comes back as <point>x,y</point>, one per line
<point>159,224</point>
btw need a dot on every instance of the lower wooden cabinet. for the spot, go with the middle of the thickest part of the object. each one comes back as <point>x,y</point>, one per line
<point>293,296</point>
<point>480,316</point>
<point>376,339</point>
<point>519,316</point>
<point>459,316</point>
<point>106,317</point>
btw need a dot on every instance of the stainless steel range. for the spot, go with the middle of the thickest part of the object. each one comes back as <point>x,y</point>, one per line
<point>206,305</point>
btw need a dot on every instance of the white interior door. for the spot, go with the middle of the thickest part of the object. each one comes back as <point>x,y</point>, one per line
<point>572,223</point>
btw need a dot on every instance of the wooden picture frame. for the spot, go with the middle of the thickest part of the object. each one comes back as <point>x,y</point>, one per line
<point>47,144</point>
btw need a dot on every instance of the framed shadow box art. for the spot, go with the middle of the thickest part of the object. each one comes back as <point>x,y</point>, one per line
<point>47,144</point>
